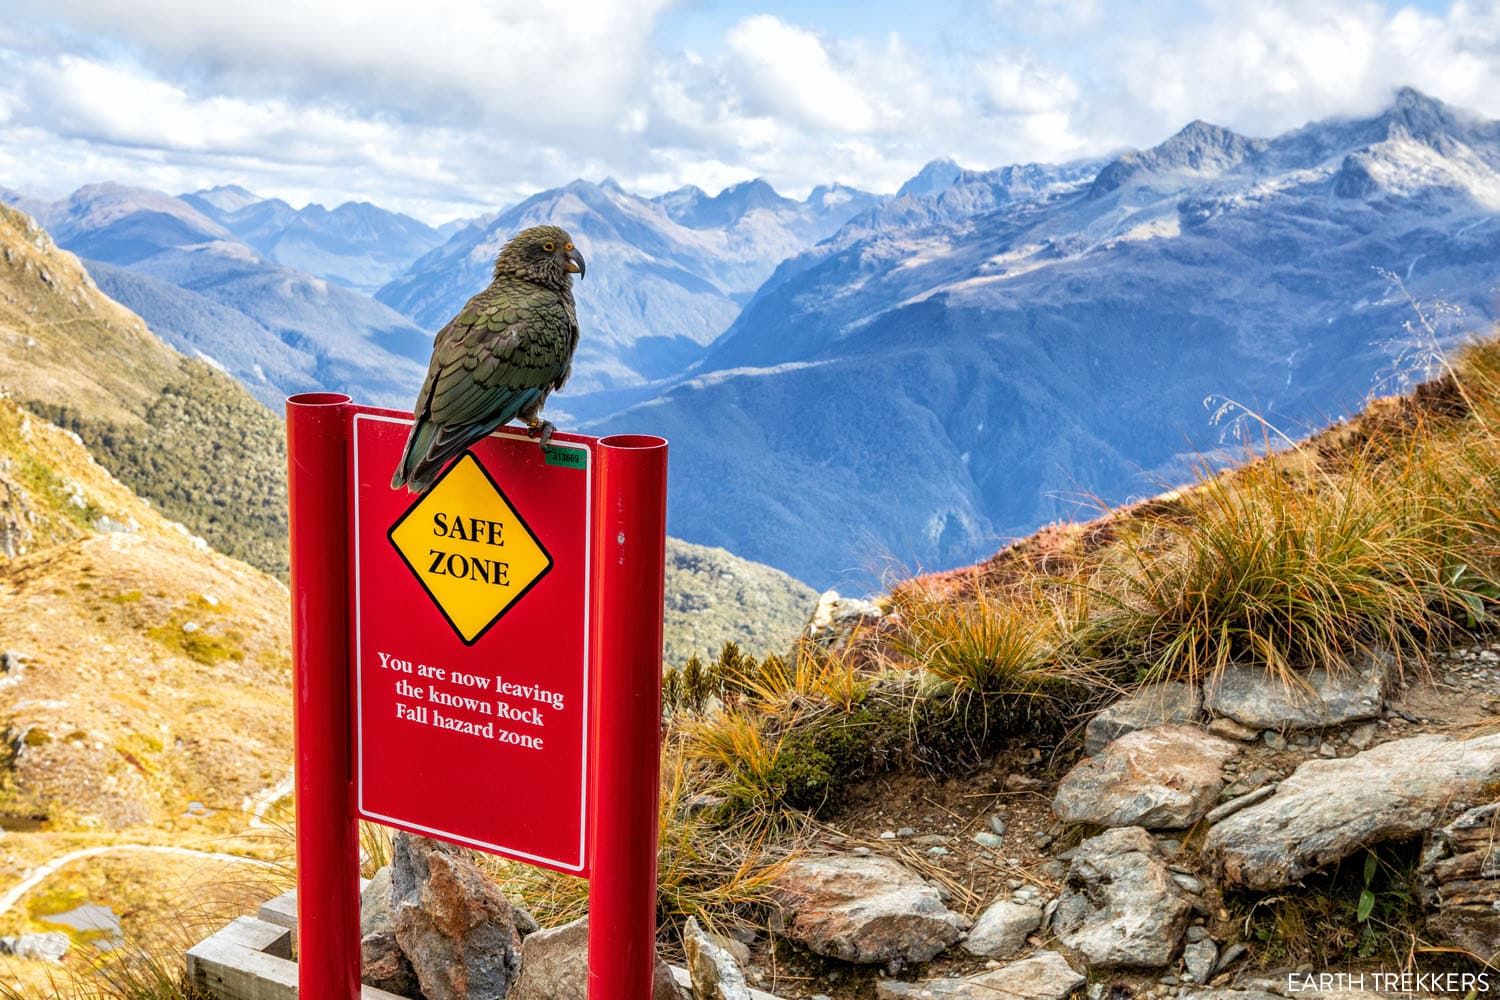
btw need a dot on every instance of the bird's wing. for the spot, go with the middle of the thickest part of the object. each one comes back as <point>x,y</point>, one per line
<point>500,353</point>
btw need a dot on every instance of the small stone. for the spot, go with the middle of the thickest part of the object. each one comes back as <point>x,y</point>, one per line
<point>1188,882</point>
<point>1170,847</point>
<point>1230,955</point>
<point>906,831</point>
<point>931,839</point>
<point>860,852</point>
<point>1327,750</point>
<point>937,852</point>
<point>1001,930</point>
<point>189,627</point>
<point>1197,932</point>
<point>1273,739</point>
<point>1361,736</point>
<point>997,825</point>
<point>1229,729</point>
<point>888,835</point>
<point>1200,957</point>
<point>987,839</point>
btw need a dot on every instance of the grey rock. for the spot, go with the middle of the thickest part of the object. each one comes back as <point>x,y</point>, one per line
<point>1258,698</point>
<point>1327,809</point>
<point>1001,930</point>
<point>1197,932</point>
<point>1231,730</point>
<point>1227,809</point>
<point>906,831</point>
<point>715,973</point>
<point>453,924</point>
<point>869,910</point>
<point>1147,706</point>
<point>1120,905</point>
<point>1273,739</point>
<point>997,825</point>
<point>1188,882</point>
<point>1166,777</point>
<point>1200,957</point>
<point>1229,956</point>
<point>1460,880</point>
<point>382,963</point>
<point>986,839</point>
<point>1360,737</point>
<point>931,840</point>
<point>48,946</point>
<point>1044,976</point>
<point>555,966</point>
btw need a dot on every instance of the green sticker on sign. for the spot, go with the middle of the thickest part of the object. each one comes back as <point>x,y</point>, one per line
<point>568,458</point>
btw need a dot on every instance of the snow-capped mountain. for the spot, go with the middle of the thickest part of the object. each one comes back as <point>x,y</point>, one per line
<point>990,351</point>
<point>357,245</point>
<point>210,295</point>
<point>666,275</point>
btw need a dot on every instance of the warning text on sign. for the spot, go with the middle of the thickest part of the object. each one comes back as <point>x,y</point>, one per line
<point>480,705</point>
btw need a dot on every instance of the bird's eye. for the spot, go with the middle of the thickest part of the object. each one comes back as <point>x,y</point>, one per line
<point>568,247</point>
<point>549,246</point>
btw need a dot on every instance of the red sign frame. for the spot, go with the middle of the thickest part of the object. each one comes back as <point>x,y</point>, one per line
<point>404,772</point>
<point>625,558</point>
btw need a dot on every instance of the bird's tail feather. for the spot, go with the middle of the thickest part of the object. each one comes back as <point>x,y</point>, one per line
<point>420,467</point>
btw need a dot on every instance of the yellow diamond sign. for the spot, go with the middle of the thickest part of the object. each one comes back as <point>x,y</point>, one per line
<point>469,549</point>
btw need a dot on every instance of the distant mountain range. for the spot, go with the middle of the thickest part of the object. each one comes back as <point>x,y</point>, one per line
<point>853,381</point>
<point>356,245</point>
<point>989,351</point>
<point>666,275</point>
<point>211,295</point>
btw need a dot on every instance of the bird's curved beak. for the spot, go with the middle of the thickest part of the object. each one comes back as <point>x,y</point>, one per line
<point>575,263</point>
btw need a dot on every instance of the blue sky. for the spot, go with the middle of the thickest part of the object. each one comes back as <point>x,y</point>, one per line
<point>454,107</point>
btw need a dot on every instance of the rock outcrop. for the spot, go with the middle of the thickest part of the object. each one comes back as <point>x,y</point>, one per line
<point>1044,976</point>
<point>453,923</point>
<point>1255,697</point>
<point>555,966</point>
<point>1327,809</point>
<point>1166,777</point>
<point>863,909</point>
<point>1120,905</point>
<point>382,963</point>
<point>1147,706</point>
<point>1460,876</point>
<point>715,973</point>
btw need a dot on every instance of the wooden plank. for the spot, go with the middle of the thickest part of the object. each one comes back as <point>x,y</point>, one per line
<point>231,964</point>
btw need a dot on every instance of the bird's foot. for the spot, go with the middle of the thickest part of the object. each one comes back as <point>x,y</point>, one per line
<point>542,430</point>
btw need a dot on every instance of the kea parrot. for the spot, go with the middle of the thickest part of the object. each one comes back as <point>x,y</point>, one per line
<point>499,358</point>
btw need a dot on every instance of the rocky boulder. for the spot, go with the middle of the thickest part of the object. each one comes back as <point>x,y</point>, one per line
<point>382,963</point>
<point>555,966</point>
<point>1044,976</point>
<point>1166,777</point>
<point>1120,904</point>
<point>863,909</point>
<point>1255,697</point>
<point>1328,809</point>
<point>453,924</point>
<point>1001,930</point>
<point>1147,706</point>
<point>1460,878</point>
<point>715,973</point>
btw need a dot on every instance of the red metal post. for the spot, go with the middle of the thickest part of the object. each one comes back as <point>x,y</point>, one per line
<point>630,563</point>
<point>327,833</point>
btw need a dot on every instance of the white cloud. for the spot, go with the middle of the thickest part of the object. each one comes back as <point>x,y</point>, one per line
<point>787,71</point>
<point>456,106</point>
